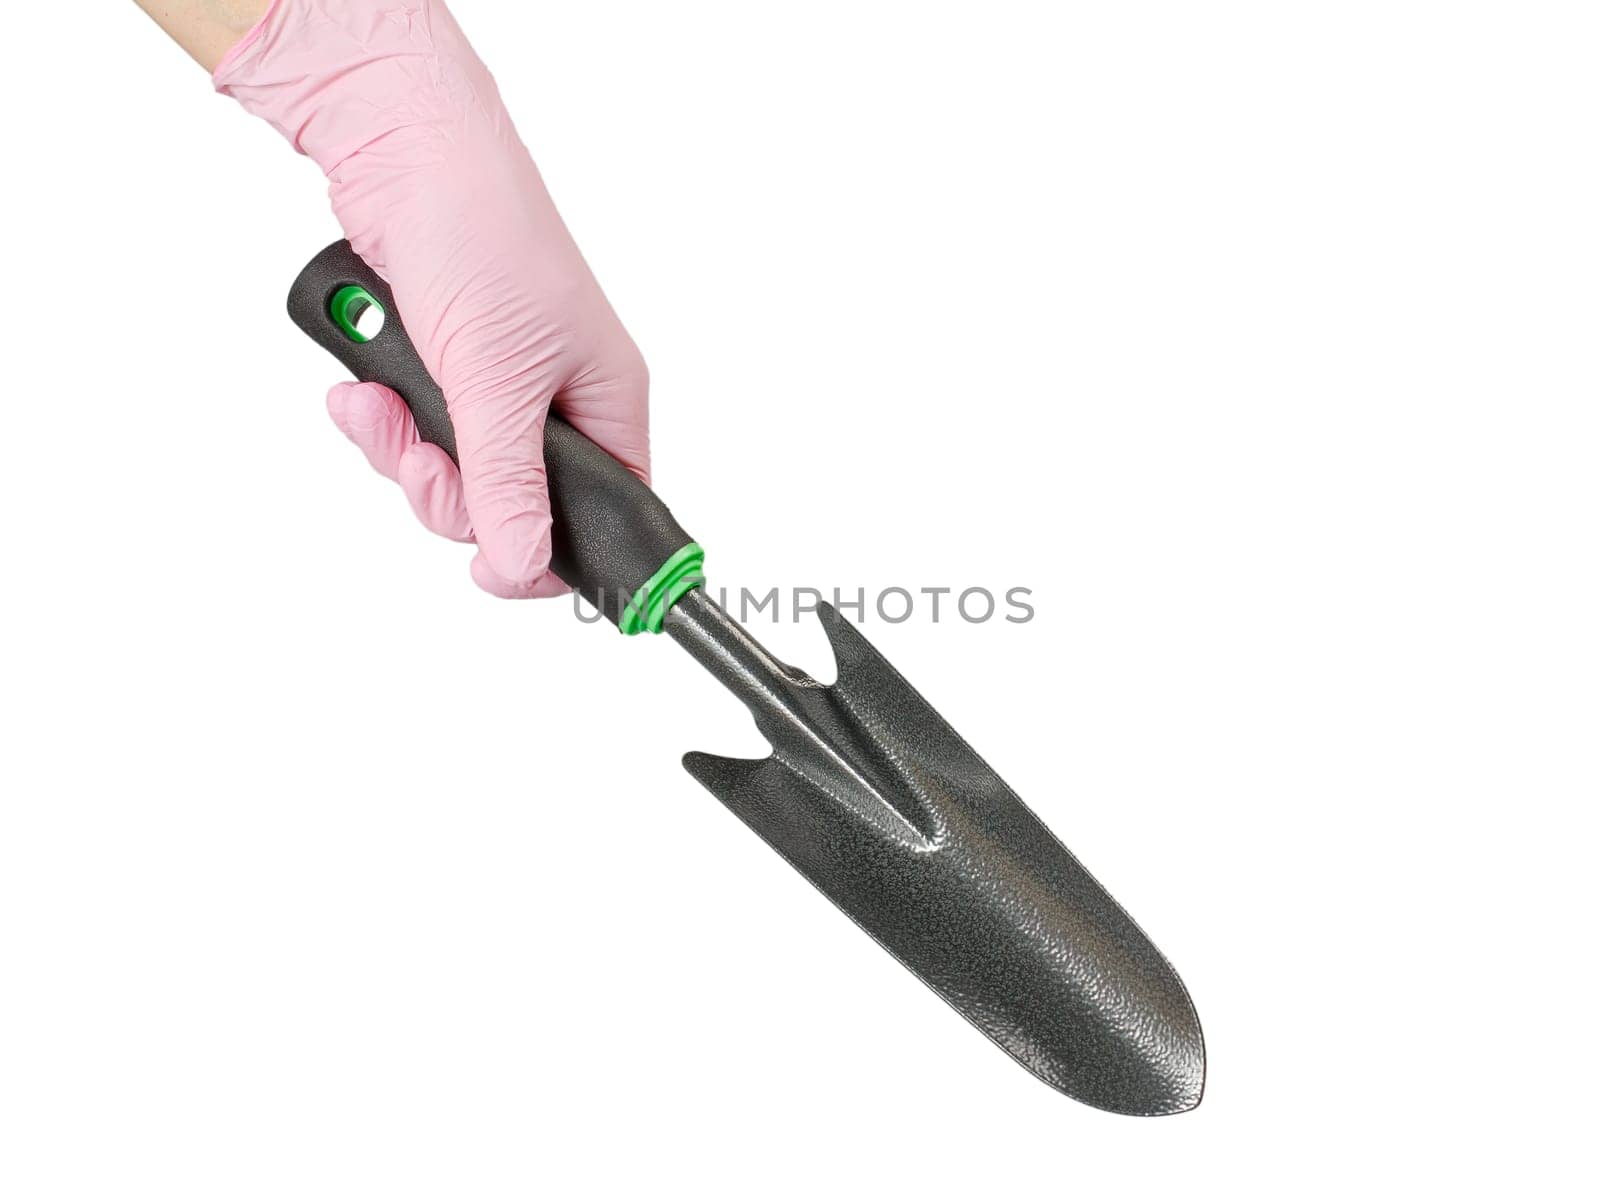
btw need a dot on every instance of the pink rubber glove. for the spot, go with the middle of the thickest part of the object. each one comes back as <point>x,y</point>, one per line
<point>435,190</point>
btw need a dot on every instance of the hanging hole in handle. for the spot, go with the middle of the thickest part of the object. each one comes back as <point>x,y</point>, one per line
<point>357,313</point>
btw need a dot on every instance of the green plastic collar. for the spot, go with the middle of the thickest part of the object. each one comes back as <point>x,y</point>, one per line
<point>678,576</point>
<point>346,307</point>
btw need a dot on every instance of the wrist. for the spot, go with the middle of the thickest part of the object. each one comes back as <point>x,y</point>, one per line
<point>207,29</point>
<point>365,77</point>
<point>241,21</point>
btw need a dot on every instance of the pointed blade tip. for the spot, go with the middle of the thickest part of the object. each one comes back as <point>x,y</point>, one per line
<point>1182,1096</point>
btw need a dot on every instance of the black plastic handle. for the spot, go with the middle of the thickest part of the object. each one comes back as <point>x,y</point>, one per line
<point>612,535</point>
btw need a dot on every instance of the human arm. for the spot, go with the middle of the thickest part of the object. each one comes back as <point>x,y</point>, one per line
<point>207,29</point>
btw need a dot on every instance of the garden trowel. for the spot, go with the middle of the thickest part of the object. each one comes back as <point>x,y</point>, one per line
<point>867,792</point>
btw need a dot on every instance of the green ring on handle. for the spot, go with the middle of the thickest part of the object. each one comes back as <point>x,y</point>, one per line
<point>678,576</point>
<point>346,307</point>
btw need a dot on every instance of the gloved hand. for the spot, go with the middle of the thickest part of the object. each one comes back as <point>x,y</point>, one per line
<point>435,191</point>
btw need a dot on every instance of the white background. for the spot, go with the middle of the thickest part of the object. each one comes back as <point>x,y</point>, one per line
<point>1258,339</point>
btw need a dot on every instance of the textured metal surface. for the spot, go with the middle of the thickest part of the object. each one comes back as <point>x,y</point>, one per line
<point>878,802</point>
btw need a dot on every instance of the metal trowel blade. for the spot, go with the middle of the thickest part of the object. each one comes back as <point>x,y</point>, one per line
<point>877,801</point>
